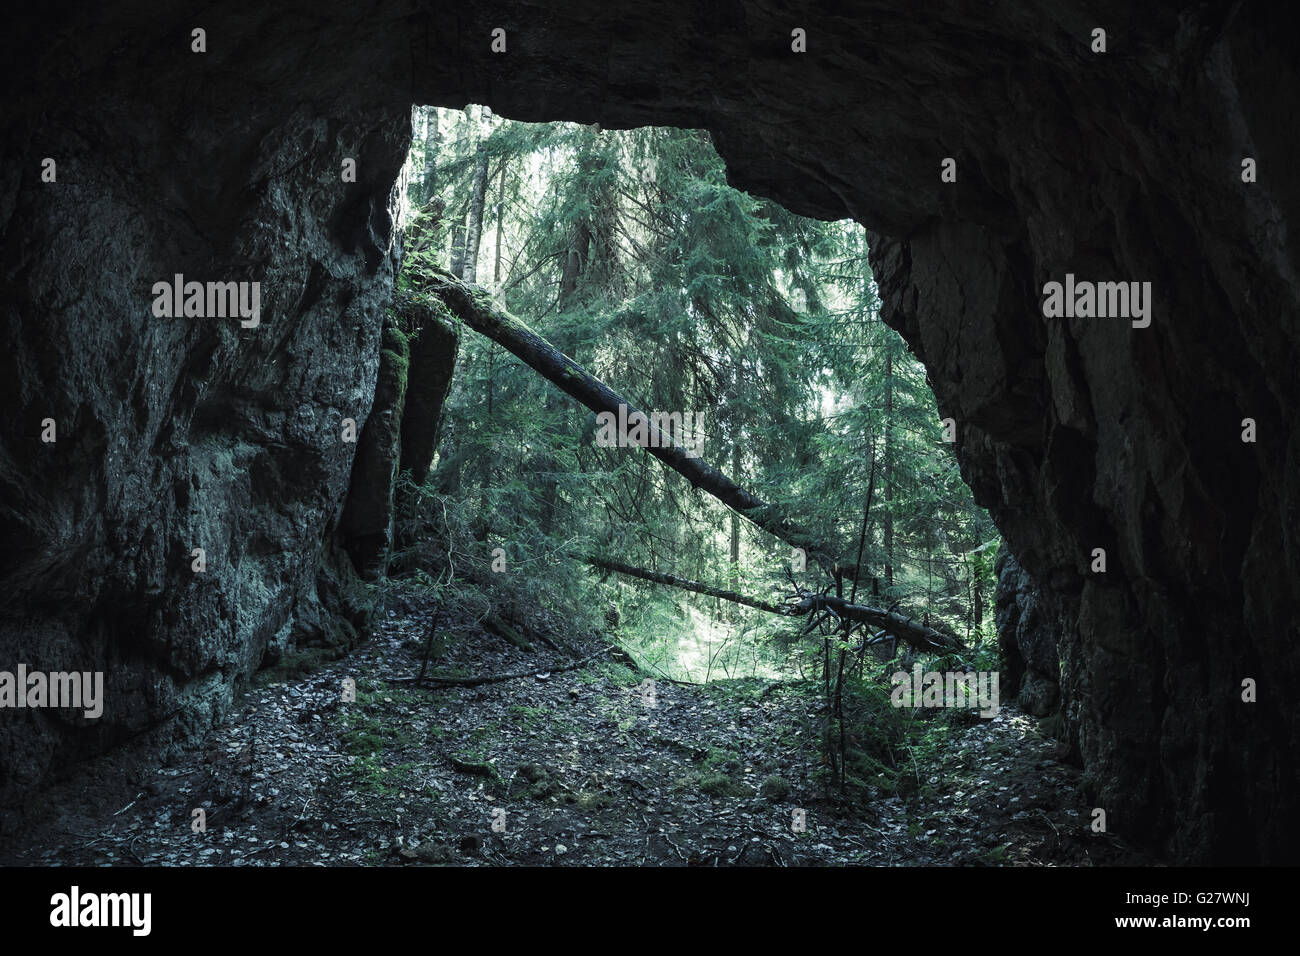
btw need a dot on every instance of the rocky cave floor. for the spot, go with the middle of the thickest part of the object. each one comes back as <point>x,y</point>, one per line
<point>586,772</point>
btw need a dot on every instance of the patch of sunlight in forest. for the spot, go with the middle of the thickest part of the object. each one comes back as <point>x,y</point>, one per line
<point>712,649</point>
<point>701,646</point>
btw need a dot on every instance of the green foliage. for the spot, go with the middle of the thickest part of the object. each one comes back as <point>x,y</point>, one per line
<point>727,761</point>
<point>720,785</point>
<point>619,673</point>
<point>629,251</point>
<point>294,664</point>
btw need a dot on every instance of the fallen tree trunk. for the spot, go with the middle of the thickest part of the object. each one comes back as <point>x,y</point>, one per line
<point>476,309</point>
<point>684,583</point>
<point>906,629</point>
<point>921,636</point>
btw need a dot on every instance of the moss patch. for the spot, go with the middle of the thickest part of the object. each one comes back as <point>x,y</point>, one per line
<point>721,785</point>
<point>774,788</point>
<point>295,664</point>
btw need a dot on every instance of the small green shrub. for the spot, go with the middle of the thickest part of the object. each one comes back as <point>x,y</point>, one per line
<point>721,785</point>
<point>774,788</point>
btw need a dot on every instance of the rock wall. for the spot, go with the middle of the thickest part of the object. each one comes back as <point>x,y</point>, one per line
<point>367,523</point>
<point>1077,433</point>
<point>1027,640</point>
<point>176,434</point>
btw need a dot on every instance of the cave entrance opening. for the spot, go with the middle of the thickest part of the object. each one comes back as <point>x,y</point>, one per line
<point>628,254</point>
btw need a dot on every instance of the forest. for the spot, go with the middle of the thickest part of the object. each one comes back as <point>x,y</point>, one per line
<point>628,252</point>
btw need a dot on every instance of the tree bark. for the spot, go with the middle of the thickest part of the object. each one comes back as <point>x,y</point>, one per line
<point>458,240</point>
<point>575,262</point>
<point>432,144</point>
<point>887,456</point>
<point>888,518</point>
<point>478,197</point>
<point>735,520</point>
<point>501,215</point>
<point>919,635</point>
<point>685,584</point>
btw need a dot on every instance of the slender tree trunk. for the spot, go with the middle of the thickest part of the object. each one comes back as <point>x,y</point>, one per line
<point>469,272</point>
<point>501,214</point>
<point>550,487</point>
<point>576,263</point>
<point>496,279</point>
<point>478,197</point>
<point>970,598</point>
<point>607,564</point>
<point>430,140</point>
<point>574,266</point>
<point>420,141</point>
<point>888,518</point>
<point>432,145</point>
<point>887,457</point>
<point>458,240</point>
<point>735,521</point>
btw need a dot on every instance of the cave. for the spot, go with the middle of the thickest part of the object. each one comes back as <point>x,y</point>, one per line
<point>989,152</point>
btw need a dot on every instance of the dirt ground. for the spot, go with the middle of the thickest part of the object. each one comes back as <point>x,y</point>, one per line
<point>570,766</point>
